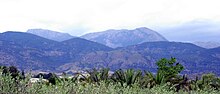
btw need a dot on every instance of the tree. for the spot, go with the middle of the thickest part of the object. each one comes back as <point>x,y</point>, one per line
<point>5,70</point>
<point>52,78</point>
<point>169,68</point>
<point>12,71</point>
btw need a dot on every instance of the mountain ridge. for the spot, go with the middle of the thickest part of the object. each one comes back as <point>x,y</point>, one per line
<point>29,51</point>
<point>49,34</point>
<point>124,37</point>
<point>35,52</point>
<point>144,56</point>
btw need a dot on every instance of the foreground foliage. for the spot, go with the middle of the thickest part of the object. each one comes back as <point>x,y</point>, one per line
<point>7,85</point>
<point>130,81</point>
<point>67,87</point>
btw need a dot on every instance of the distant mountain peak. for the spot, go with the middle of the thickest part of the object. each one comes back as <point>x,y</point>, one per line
<point>142,28</point>
<point>49,34</point>
<point>124,37</point>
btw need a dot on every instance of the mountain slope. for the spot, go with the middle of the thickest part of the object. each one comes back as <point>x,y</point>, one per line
<point>84,45</point>
<point>28,51</point>
<point>53,35</point>
<point>25,50</point>
<point>215,52</point>
<point>145,55</point>
<point>26,39</point>
<point>124,37</point>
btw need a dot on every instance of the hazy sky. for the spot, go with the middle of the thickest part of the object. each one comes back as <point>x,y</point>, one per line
<point>80,16</point>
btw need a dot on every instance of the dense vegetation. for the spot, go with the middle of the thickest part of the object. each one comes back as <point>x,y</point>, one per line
<point>167,80</point>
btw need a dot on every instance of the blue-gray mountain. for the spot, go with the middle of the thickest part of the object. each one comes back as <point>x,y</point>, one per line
<point>143,56</point>
<point>28,51</point>
<point>122,38</point>
<point>49,34</point>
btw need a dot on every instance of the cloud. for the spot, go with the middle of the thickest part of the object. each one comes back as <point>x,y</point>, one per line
<point>99,15</point>
<point>197,30</point>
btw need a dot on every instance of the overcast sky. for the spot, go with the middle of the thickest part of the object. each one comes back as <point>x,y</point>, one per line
<point>81,16</point>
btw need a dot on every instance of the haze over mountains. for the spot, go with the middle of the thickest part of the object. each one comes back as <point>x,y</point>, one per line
<point>145,47</point>
<point>193,31</point>
<point>207,44</point>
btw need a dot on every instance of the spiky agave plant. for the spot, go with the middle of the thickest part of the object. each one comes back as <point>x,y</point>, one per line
<point>147,80</point>
<point>150,80</point>
<point>132,76</point>
<point>93,75</point>
<point>128,77</point>
<point>104,74</point>
<point>96,76</point>
<point>118,76</point>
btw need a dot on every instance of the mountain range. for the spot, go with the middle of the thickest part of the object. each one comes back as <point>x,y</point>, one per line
<point>28,51</point>
<point>116,38</point>
<point>122,38</point>
<point>143,56</point>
